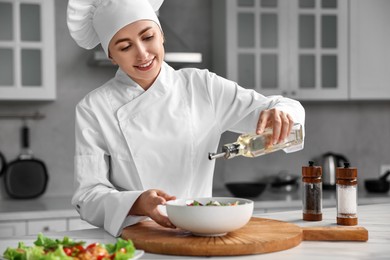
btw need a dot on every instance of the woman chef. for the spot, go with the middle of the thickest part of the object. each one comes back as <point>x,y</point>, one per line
<point>143,137</point>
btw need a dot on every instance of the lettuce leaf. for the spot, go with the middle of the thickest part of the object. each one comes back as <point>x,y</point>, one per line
<point>48,243</point>
<point>23,252</point>
<point>57,254</point>
<point>116,249</point>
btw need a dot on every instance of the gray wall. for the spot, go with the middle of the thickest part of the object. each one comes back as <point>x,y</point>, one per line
<point>360,130</point>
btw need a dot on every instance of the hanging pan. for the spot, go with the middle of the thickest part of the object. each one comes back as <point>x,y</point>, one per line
<point>3,163</point>
<point>26,177</point>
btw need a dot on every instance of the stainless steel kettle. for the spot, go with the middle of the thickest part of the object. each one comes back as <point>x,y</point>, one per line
<point>329,162</point>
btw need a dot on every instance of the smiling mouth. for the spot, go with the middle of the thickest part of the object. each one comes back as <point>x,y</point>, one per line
<point>145,66</point>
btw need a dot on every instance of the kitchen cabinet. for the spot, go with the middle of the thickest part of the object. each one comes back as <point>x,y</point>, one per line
<point>46,225</point>
<point>370,49</point>
<point>27,50</point>
<point>30,217</point>
<point>292,48</point>
<point>305,49</point>
<point>42,225</point>
<point>12,228</point>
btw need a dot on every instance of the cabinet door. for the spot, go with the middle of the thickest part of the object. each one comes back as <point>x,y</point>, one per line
<point>318,49</point>
<point>13,228</point>
<point>370,49</point>
<point>27,57</point>
<point>296,48</point>
<point>256,52</point>
<point>45,225</point>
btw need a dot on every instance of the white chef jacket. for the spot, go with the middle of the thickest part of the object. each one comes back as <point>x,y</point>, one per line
<point>129,140</point>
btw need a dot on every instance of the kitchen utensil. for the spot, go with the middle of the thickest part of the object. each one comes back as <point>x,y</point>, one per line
<point>3,163</point>
<point>311,192</point>
<point>259,236</point>
<point>209,220</point>
<point>286,182</point>
<point>246,189</point>
<point>346,195</point>
<point>380,185</point>
<point>330,162</point>
<point>26,177</point>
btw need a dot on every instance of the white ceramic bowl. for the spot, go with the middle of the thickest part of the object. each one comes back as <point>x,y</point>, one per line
<point>209,220</point>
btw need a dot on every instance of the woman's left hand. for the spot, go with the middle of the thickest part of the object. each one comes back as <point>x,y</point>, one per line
<point>281,123</point>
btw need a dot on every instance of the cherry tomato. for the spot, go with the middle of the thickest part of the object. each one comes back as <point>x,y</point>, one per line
<point>79,248</point>
<point>100,257</point>
<point>92,245</point>
<point>68,251</point>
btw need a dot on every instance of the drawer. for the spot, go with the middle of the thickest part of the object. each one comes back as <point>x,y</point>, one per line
<point>77,223</point>
<point>45,225</point>
<point>12,228</point>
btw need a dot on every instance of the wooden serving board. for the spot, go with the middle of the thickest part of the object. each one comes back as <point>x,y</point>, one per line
<point>260,235</point>
<point>335,233</point>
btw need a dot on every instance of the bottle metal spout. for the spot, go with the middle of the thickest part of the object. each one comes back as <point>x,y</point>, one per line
<point>216,155</point>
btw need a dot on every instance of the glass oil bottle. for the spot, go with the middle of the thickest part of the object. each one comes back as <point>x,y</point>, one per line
<point>312,192</point>
<point>254,145</point>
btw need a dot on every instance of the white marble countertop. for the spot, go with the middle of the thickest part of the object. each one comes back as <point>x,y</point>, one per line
<point>375,218</point>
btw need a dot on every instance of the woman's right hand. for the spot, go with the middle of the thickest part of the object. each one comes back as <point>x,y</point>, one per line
<point>147,205</point>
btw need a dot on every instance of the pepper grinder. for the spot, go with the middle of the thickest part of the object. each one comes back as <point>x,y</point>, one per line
<point>312,192</point>
<point>346,193</point>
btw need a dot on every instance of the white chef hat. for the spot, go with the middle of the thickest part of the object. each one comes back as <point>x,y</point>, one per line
<point>91,22</point>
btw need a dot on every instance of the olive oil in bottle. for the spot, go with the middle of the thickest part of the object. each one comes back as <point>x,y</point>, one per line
<point>254,145</point>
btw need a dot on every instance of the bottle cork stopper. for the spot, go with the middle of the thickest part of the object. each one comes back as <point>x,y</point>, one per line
<point>346,172</point>
<point>311,170</point>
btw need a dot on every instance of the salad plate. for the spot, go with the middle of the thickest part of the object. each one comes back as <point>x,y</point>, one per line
<point>138,254</point>
<point>65,247</point>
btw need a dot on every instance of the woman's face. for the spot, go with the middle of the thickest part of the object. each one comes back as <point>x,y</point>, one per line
<point>138,50</point>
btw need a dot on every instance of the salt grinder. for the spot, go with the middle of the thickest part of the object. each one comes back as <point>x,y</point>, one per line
<point>346,188</point>
<point>312,192</point>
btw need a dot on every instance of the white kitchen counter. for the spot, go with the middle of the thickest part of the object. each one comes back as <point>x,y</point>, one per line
<point>375,218</point>
<point>269,201</point>
<point>44,214</point>
<point>47,207</point>
<point>276,201</point>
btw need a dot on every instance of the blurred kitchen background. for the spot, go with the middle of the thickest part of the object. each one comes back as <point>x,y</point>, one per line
<point>333,56</point>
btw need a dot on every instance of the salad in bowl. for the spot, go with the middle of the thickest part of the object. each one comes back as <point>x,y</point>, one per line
<point>214,216</point>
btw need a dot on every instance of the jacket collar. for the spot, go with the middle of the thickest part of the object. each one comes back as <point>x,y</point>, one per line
<point>136,98</point>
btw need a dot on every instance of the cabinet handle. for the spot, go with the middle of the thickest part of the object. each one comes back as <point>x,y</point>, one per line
<point>284,92</point>
<point>293,93</point>
<point>46,228</point>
